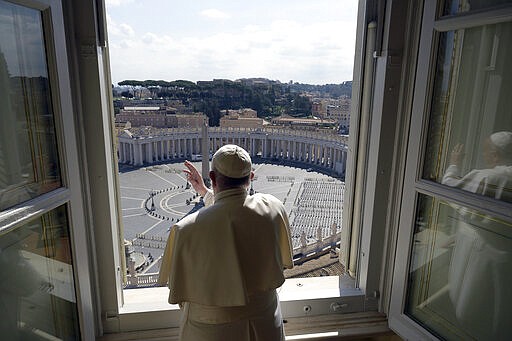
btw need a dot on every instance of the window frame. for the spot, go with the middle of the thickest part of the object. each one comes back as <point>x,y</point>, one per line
<point>85,25</point>
<point>124,315</point>
<point>70,191</point>
<point>432,25</point>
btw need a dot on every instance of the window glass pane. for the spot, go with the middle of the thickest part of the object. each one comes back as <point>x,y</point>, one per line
<point>452,7</point>
<point>28,152</point>
<point>459,277</point>
<point>37,292</point>
<point>469,142</point>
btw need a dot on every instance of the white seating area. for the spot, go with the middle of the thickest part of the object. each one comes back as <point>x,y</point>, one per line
<point>318,211</point>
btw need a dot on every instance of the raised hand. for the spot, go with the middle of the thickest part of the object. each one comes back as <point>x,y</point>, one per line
<point>195,179</point>
<point>457,154</point>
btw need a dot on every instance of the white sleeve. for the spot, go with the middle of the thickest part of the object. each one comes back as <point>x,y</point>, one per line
<point>208,198</point>
<point>451,177</point>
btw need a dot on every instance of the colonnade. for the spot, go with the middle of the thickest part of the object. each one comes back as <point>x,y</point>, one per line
<point>317,149</point>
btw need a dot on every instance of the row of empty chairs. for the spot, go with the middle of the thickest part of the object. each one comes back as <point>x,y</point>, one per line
<point>318,211</point>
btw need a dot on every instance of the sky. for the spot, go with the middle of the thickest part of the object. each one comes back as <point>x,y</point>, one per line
<point>300,40</point>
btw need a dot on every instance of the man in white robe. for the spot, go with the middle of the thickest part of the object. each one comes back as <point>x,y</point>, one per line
<point>224,262</point>
<point>480,273</point>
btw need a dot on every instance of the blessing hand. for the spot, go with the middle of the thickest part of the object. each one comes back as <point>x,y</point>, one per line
<point>195,179</point>
<point>457,154</point>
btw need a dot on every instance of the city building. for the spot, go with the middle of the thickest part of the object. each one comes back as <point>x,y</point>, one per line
<point>147,145</point>
<point>160,117</point>
<point>242,113</point>
<point>241,118</point>
<point>304,123</point>
<point>318,108</point>
<point>424,260</point>
<point>339,110</point>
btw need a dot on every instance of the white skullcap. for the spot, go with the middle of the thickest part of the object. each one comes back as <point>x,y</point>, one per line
<point>232,161</point>
<point>502,140</point>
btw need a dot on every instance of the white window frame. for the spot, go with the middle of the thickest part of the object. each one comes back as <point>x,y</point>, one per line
<point>333,295</point>
<point>413,182</point>
<point>304,297</point>
<point>70,192</point>
<point>376,179</point>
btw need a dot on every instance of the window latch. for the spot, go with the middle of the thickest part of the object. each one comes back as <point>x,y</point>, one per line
<point>335,306</point>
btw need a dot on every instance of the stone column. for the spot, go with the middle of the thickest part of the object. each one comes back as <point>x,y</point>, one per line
<point>264,147</point>
<point>126,152</point>
<point>320,154</point>
<point>138,154</point>
<point>120,152</point>
<point>343,160</point>
<point>150,152</point>
<point>334,158</point>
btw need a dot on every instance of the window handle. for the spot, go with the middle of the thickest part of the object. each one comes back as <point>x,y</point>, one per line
<point>335,306</point>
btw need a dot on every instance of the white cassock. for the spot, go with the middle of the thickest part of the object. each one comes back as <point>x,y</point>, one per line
<point>480,273</point>
<point>223,264</point>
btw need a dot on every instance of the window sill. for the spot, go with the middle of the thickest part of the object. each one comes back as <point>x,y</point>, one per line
<point>146,300</point>
<point>147,308</point>
<point>371,325</point>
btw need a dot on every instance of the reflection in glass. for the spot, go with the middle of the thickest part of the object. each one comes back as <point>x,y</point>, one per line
<point>37,293</point>
<point>460,274</point>
<point>469,142</point>
<point>28,151</point>
<point>452,7</point>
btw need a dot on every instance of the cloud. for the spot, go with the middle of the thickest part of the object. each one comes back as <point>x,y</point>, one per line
<point>115,3</point>
<point>158,41</point>
<point>214,14</point>
<point>118,31</point>
<point>126,29</point>
<point>316,52</point>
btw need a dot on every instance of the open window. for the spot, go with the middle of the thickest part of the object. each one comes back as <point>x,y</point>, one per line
<point>420,91</point>
<point>43,254</point>
<point>300,297</point>
<point>455,236</point>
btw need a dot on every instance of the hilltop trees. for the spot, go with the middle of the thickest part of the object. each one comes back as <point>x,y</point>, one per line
<point>268,98</point>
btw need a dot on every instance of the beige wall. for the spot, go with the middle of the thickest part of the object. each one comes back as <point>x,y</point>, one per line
<point>241,122</point>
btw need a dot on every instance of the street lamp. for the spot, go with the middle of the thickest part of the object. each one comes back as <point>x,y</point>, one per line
<point>152,195</point>
<point>251,191</point>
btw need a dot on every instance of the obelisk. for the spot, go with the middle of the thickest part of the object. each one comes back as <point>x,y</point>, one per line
<point>205,152</point>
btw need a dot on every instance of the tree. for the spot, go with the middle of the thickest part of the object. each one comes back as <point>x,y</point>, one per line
<point>127,94</point>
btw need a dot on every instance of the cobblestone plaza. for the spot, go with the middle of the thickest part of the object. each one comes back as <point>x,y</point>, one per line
<point>155,197</point>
